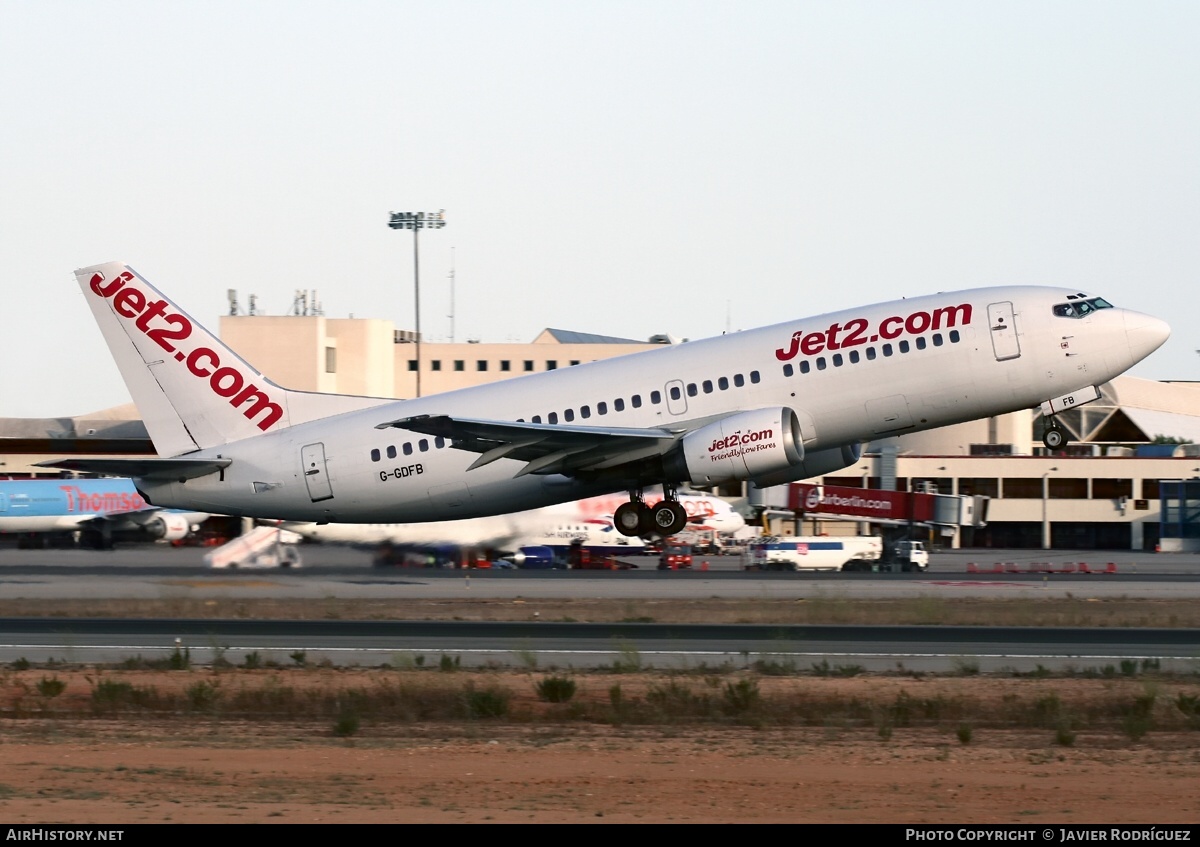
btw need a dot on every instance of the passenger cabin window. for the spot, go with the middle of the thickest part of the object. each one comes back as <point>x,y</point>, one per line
<point>375,456</point>
<point>903,346</point>
<point>787,369</point>
<point>739,380</point>
<point>585,412</point>
<point>407,448</point>
<point>675,393</point>
<point>423,444</point>
<point>552,418</point>
<point>754,377</point>
<point>439,442</point>
<point>601,408</point>
<point>618,405</point>
<point>805,367</point>
<point>723,383</point>
<point>691,389</point>
<point>391,451</point>
<point>656,397</point>
<point>569,415</point>
<point>636,400</point>
<point>707,386</point>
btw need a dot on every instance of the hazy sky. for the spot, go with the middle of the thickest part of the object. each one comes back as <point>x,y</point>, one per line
<point>617,167</point>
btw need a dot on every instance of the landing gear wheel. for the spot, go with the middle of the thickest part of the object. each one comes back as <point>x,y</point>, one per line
<point>628,518</point>
<point>1054,438</point>
<point>669,517</point>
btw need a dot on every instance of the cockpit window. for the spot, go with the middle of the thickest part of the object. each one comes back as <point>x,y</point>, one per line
<point>1081,308</point>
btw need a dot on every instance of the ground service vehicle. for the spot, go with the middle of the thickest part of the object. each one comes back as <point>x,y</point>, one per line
<point>912,556</point>
<point>815,553</point>
<point>675,556</point>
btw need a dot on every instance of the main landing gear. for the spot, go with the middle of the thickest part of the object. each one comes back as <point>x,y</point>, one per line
<point>1053,435</point>
<point>664,518</point>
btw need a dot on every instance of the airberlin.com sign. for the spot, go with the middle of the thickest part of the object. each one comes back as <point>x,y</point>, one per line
<point>859,502</point>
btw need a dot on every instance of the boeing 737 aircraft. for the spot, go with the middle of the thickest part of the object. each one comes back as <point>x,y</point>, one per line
<point>771,405</point>
<point>98,507</point>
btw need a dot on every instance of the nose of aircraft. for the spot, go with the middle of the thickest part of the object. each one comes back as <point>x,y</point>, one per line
<point>1145,334</point>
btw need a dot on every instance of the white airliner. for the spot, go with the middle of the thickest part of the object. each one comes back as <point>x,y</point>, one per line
<point>589,521</point>
<point>771,405</point>
<point>98,508</point>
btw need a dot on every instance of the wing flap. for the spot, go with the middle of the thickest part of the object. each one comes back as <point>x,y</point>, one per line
<point>544,448</point>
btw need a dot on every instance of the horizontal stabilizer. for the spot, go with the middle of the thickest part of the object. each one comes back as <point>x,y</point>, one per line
<point>178,468</point>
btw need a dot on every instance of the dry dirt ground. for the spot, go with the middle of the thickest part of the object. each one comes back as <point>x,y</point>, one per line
<point>62,761</point>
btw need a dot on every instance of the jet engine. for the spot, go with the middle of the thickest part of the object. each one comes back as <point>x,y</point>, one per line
<point>739,447</point>
<point>533,557</point>
<point>816,463</point>
<point>167,526</point>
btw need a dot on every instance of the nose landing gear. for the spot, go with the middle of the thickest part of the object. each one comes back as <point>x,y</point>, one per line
<point>1053,435</point>
<point>664,518</point>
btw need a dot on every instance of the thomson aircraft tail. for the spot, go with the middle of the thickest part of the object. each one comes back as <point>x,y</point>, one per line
<point>192,390</point>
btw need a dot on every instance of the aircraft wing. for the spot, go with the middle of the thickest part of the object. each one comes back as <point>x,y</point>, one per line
<point>179,467</point>
<point>545,448</point>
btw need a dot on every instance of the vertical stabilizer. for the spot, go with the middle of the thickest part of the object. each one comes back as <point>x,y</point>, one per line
<point>191,390</point>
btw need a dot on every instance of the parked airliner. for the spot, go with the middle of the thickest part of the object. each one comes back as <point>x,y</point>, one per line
<point>589,520</point>
<point>770,405</point>
<point>96,507</point>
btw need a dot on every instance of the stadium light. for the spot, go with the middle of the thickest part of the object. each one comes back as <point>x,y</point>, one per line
<point>417,221</point>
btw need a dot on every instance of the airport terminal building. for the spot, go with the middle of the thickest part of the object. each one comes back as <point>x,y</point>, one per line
<point>1129,479</point>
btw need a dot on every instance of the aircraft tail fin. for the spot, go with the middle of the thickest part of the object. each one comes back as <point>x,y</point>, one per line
<point>192,390</point>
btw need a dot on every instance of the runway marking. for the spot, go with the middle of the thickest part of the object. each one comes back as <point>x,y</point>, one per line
<point>223,583</point>
<point>962,583</point>
<point>740,655</point>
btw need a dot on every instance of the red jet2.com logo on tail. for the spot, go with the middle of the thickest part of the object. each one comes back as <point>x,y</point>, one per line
<point>130,303</point>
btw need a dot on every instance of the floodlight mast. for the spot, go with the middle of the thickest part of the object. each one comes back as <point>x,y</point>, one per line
<point>417,221</point>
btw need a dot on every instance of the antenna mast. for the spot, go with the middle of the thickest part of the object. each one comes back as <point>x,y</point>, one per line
<point>451,295</point>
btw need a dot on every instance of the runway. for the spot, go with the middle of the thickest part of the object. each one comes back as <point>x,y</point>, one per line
<point>159,572</point>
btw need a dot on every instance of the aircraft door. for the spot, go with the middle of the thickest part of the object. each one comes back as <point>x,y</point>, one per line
<point>1005,343</point>
<point>316,474</point>
<point>676,399</point>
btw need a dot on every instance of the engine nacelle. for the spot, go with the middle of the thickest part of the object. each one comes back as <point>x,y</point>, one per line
<point>816,463</point>
<point>168,527</point>
<point>739,447</point>
<point>533,557</point>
